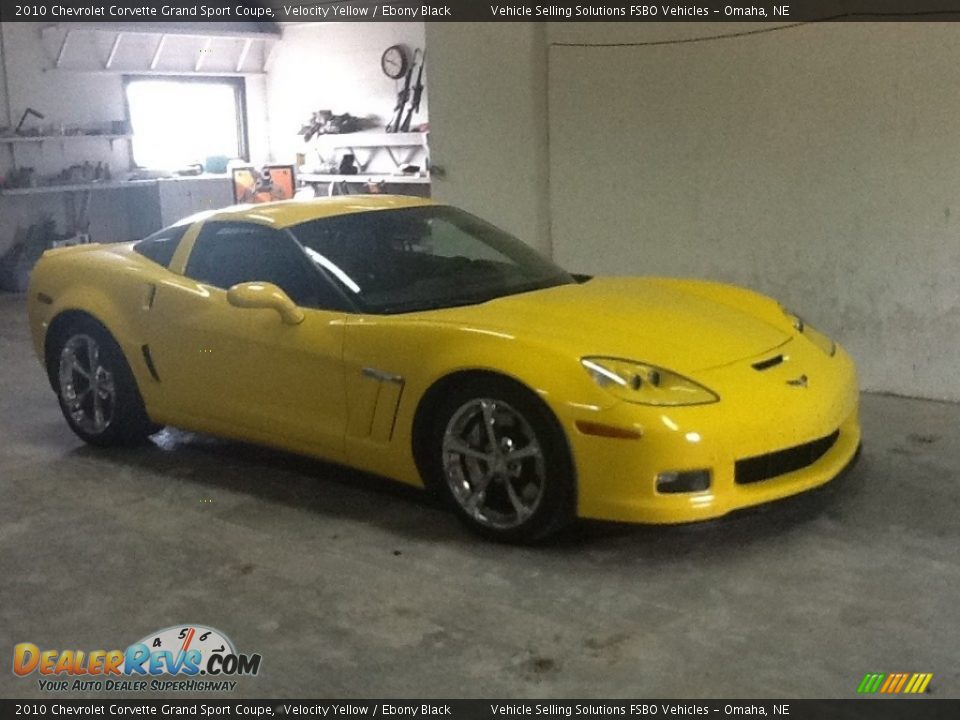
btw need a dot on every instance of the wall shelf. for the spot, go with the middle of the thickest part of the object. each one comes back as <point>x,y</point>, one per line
<point>311,178</point>
<point>11,139</point>
<point>373,139</point>
<point>410,144</point>
<point>78,187</point>
<point>14,141</point>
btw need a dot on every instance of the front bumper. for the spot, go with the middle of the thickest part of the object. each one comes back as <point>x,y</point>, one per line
<point>759,413</point>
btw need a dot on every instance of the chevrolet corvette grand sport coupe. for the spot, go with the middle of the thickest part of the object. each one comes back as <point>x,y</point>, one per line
<point>415,341</point>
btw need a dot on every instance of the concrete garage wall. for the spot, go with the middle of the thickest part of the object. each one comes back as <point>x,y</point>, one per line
<point>818,164</point>
<point>488,123</point>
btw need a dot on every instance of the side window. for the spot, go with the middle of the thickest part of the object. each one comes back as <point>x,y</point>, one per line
<point>226,254</point>
<point>161,246</point>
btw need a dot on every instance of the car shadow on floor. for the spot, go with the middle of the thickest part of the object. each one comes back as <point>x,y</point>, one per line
<point>348,494</point>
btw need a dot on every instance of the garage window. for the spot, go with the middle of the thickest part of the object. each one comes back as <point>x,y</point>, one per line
<point>177,122</point>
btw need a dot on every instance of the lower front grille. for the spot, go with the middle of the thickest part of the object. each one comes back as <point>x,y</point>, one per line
<point>771,465</point>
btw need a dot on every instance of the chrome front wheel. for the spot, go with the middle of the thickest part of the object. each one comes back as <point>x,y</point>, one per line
<point>499,456</point>
<point>493,463</point>
<point>87,388</point>
<point>495,451</point>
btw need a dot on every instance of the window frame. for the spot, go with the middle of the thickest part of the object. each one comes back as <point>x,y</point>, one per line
<point>238,84</point>
<point>172,234</point>
<point>344,304</point>
<point>364,307</point>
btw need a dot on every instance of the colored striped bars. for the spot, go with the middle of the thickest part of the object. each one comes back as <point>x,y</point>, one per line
<point>894,683</point>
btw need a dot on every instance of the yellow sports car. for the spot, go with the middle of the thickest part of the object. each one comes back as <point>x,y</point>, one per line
<point>415,341</point>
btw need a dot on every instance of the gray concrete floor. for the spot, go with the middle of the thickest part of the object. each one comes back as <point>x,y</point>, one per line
<point>351,586</point>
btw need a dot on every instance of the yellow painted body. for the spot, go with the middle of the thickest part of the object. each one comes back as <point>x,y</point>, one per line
<point>245,374</point>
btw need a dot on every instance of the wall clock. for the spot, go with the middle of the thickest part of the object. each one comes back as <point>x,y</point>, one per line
<point>394,61</point>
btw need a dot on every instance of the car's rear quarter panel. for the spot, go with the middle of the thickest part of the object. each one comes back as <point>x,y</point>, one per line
<point>111,283</point>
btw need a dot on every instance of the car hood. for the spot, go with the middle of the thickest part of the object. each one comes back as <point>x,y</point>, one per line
<point>682,325</point>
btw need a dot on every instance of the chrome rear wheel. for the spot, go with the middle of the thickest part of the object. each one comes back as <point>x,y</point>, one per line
<point>87,388</point>
<point>95,386</point>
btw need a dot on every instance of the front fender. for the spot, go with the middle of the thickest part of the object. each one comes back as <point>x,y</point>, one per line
<point>416,355</point>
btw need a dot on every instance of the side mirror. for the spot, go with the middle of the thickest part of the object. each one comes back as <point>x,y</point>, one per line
<point>265,296</point>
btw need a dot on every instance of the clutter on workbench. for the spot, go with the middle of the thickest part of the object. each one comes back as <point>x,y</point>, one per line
<point>348,164</point>
<point>25,128</point>
<point>76,174</point>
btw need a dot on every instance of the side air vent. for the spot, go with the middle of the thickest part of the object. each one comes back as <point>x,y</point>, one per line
<point>148,361</point>
<point>149,296</point>
<point>768,363</point>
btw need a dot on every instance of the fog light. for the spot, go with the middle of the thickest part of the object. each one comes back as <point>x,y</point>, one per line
<point>683,482</point>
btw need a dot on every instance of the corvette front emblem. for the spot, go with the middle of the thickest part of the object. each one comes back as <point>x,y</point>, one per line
<point>798,382</point>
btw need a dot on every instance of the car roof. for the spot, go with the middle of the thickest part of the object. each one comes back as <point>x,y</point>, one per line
<point>285,213</point>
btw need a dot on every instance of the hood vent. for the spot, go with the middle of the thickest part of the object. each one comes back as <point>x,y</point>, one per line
<point>768,363</point>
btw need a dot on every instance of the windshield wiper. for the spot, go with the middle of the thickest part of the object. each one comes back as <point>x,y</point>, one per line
<point>422,305</point>
<point>464,300</point>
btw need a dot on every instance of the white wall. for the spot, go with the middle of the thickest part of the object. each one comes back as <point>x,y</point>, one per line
<point>85,98</point>
<point>62,99</point>
<point>489,123</point>
<point>258,124</point>
<point>335,66</point>
<point>315,66</point>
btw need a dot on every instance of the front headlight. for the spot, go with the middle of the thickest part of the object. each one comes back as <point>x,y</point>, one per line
<point>645,384</point>
<point>812,334</point>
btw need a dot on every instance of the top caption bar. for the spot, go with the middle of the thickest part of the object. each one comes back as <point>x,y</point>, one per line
<point>475,11</point>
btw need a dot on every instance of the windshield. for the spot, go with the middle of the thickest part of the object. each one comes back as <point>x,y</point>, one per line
<point>394,261</point>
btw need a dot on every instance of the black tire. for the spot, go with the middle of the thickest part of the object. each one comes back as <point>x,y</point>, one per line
<point>125,419</point>
<point>550,471</point>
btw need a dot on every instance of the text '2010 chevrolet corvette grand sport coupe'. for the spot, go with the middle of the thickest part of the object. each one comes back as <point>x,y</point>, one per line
<point>415,341</point>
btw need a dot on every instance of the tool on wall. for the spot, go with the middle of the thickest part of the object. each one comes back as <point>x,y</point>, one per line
<point>23,118</point>
<point>404,96</point>
<point>417,95</point>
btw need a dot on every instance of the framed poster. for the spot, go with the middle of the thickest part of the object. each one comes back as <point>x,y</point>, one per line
<point>269,183</point>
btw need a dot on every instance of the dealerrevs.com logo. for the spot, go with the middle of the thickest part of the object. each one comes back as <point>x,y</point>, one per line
<point>179,658</point>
